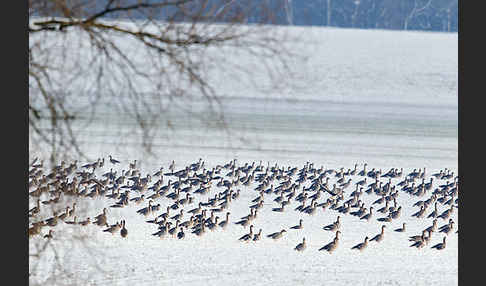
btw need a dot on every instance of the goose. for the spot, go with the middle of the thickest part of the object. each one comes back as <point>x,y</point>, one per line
<point>73,221</point>
<point>360,212</point>
<point>394,207</point>
<point>224,223</point>
<point>244,222</point>
<point>123,231</point>
<point>260,204</point>
<point>445,225</point>
<point>280,209</point>
<point>200,217</point>
<point>447,213</point>
<point>138,200</point>
<point>301,246</point>
<point>434,213</point>
<point>173,230</point>
<point>179,215</point>
<point>357,204</point>
<point>334,226</point>
<point>163,230</point>
<point>438,175</point>
<point>200,230</point>
<point>196,210</point>
<point>165,215</point>
<point>402,229</point>
<point>64,215</point>
<point>72,210</point>
<point>113,161</point>
<point>247,236</point>
<point>212,226</point>
<point>35,229</point>
<point>420,213</point>
<point>277,235</point>
<point>427,238</point>
<point>210,219</point>
<point>35,210</point>
<point>146,210</point>
<point>100,220</point>
<point>379,237</point>
<point>344,209</point>
<point>361,246</point>
<point>420,242</point>
<point>52,221</point>
<point>311,209</point>
<point>113,228</point>
<point>417,237</point>
<point>396,214</point>
<point>155,220</point>
<point>49,235</point>
<point>258,235</point>
<point>380,200</point>
<point>384,209</point>
<point>299,226</point>
<point>433,227</point>
<point>331,246</point>
<point>85,222</point>
<point>133,165</point>
<point>385,219</point>
<point>361,183</point>
<point>367,216</point>
<point>188,223</point>
<point>300,207</point>
<point>448,228</point>
<point>363,172</point>
<point>180,234</point>
<point>259,198</point>
<point>440,246</point>
<point>123,202</point>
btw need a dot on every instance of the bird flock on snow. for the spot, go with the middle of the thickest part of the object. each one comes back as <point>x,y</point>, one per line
<point>196,198</point>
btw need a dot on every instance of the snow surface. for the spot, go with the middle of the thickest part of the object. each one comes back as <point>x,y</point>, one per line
<point>386,98</point>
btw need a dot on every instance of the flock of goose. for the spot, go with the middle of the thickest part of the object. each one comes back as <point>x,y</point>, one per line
<point>202,193</point>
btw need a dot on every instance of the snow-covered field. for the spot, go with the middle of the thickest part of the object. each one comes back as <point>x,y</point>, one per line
<point>385,98</point>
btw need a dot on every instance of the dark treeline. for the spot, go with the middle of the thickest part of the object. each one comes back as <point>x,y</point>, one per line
<point>428,15</point>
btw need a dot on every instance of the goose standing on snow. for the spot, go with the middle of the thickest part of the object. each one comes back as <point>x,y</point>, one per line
<point>440,246</point>
<point>224,223</point>
<point>299,226</point>
<point>361,246</point>
<point>49,235</point>
<point>417,237</point>
<point>331,246</point>
<point>277,235</point>
<point>334,226</point>
<point>301,246</point>
<point>113,161</point>
<point>433,227</point>
<point>419,241</point>
<point>123,231</point>
<point>379,237</point>
<point>367,216</point>
<point>112,228</point>
<point>101,218</point>
<point>434,213</point>
<point>147,210</point>
<point>402,229</point>
<point>448,228</point>
<point>180,234</point>
<point>247,236</point>
<point>258,235</point>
